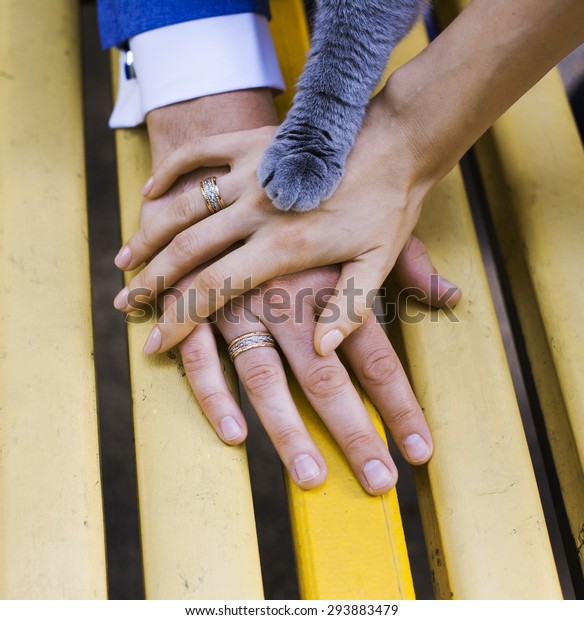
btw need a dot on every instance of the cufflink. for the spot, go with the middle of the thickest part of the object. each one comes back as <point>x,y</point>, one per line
<point>129,68</point>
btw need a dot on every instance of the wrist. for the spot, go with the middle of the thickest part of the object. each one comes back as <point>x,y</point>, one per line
<point>393,141</point>
<point>445,98</point>
<point>428,153</point>
<point>172,126</point>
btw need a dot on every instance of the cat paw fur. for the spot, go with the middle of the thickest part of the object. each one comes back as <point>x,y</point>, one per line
<point>298,175</point>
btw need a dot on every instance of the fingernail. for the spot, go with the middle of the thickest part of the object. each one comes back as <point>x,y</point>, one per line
<point>306,468</point>
<point>446,284</point>
<point>121,300</point>
<point>230,429</point>
<point>147,186</point>
<point>124,258</point>
<point>448,290</point>
<point>153,342</point>
<point>377,474</point>
<point>330,342</point>
<point>416,448</point>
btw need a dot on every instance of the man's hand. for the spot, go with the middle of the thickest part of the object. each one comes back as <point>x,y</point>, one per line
<point>287,308</point>
<point>175,125</point>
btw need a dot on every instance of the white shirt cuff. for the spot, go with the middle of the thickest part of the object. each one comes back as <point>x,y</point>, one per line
<point>194,59</point>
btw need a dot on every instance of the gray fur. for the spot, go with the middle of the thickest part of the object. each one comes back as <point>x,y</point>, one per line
<point>351,42</point>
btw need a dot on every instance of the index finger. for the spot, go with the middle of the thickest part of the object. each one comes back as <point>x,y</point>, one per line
<point>231,276</point>
<point>206,152</point>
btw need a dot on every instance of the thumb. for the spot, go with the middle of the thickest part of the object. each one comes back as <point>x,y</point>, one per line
<point>350,305</point>
<point>414,269</point>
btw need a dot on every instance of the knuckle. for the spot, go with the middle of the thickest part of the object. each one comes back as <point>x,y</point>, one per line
<point>182,208</point>
<point>210,282</point>
<point>144,238</point>
<point>287,437</point>
<point>324,381</point>
<point>210,399</point>
<point>185,247</point>
<point>400,417</point>
<point>358,441</point>
<point>196,359</point>
<point>261,378</point>
<point>379,366</point>
<point>279,282</point>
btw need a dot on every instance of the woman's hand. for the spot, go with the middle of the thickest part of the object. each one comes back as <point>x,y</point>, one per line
<point>416,130</point>
<point>364,227</point>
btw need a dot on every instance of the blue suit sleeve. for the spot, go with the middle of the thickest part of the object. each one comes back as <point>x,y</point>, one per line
<point>121,19</point>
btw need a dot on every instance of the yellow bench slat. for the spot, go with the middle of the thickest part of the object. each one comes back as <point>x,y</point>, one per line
<point>348,544</point>
<point>485,517</point>
<point>51,516</point>
<point>533,167</point>
<point>291,39</point>
<point>196,513</point>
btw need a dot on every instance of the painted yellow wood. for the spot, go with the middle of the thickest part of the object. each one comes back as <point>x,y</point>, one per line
<point>348,544</point>
<point>488,520</point>
<point>291,40</point>
<point>533,166</point>
<point>51,518</point>
<point>432,537</point>
<point>196,513</point>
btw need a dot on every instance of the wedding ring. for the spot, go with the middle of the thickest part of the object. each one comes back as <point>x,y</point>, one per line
<point>211,195</point>
<point>250,341</point>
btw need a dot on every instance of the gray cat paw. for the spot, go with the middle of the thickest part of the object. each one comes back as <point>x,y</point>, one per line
<point>297,180</point>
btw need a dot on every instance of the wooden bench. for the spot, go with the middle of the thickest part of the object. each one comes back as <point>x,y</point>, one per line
<point>484,525</point>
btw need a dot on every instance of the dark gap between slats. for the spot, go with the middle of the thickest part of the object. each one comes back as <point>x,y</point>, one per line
<point>271,511</point>
<point>412,523</point>
<point>406,488</point>
<point>109,330</point>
